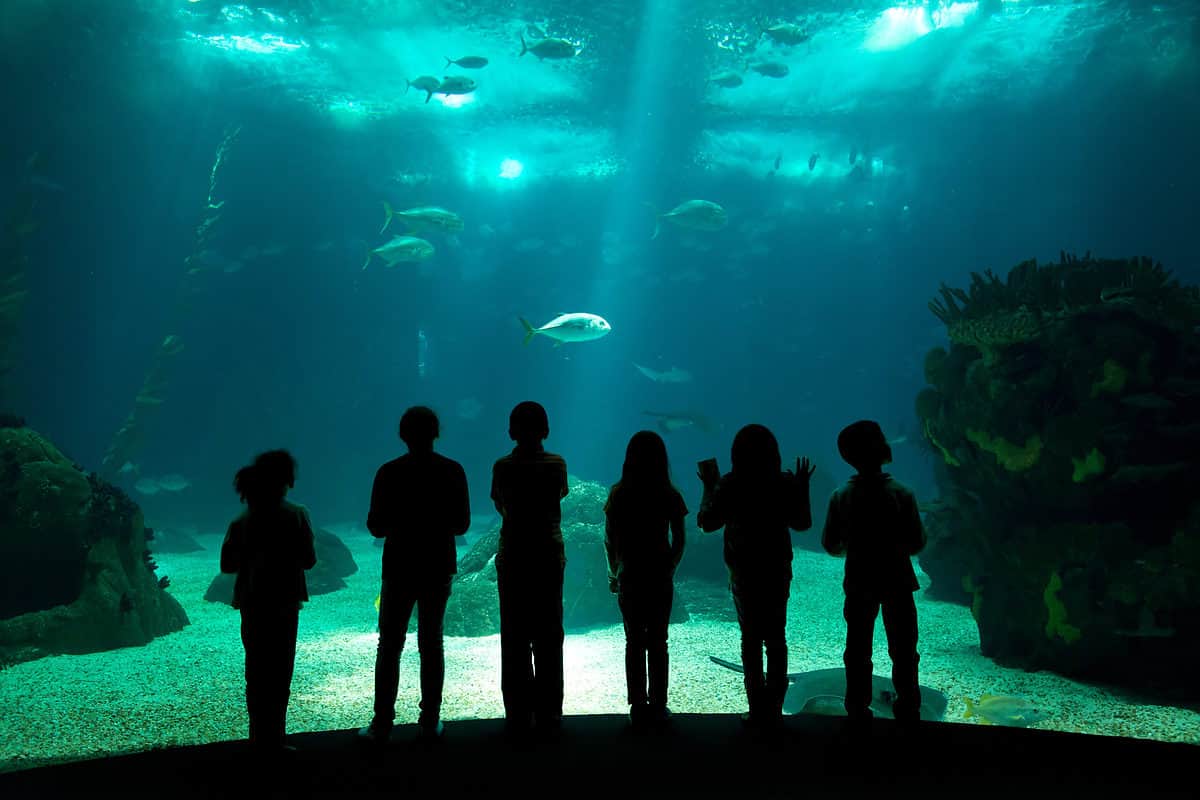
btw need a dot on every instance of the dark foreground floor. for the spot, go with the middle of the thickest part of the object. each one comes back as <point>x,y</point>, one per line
<point>698,756</point>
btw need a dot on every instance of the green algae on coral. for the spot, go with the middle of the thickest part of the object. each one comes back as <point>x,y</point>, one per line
<point>947,456</point>
<point>1056,621</point>
<point>1113,381</point>
<point>1089,466</point>
<point>1010,456</point>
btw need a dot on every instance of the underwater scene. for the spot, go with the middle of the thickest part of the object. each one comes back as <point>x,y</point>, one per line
<point>234,227</point>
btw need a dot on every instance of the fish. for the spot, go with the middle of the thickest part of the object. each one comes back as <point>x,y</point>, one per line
<point>823,691</point>
<point>1014,712</point>
<point>549,48</point>
<point>673,375</point>
<point>423,218</point>
<point>401,248</point>
<point>726,80</point>
<point>778,161</point>
<point>787,33</point>
<point>771,69</point>
<point>697,215</point>
<point>173,482</point>
<point>853,155</point>
<point>147,486</point>
<point>671,421</point>
<point>574,327</point>
<point>467,62</point>
<point>426,83</point>
<point>456,84</point>
<point>812,161</point>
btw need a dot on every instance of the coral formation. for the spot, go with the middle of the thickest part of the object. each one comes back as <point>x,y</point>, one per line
<point>1064,414</point>
<point>71,559</point>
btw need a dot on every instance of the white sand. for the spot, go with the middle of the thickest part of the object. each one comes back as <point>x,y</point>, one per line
<point>187,688</point>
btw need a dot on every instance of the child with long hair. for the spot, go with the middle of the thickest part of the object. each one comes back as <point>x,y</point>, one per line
<point>269,546</point>
<point>644,540</point>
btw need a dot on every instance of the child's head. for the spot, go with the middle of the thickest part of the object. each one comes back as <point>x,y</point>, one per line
<point>267,479</point>
<point>528,423</point>
<point>756,451</point>
<point>419,427</point>
<point>863,446</point>
<point>646,461</point>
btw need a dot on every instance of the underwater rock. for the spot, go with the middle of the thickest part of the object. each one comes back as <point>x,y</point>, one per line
<point>172,540</point>
<point>1067,468</point>
<point>334,562</point>
<point>72,559</point>
<point>474,605</point>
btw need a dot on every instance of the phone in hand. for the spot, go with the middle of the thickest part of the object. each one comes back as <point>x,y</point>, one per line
<point>708,470</point>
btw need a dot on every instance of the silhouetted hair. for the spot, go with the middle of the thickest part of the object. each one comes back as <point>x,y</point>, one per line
<point>863,446</point>
<point>528,422</point>
<point>267,479</point>
<point>419,427</point>
<point>646,465</point>
<point>755,451</point>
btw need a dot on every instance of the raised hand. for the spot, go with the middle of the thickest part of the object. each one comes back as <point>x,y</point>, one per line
<point>804,468</point>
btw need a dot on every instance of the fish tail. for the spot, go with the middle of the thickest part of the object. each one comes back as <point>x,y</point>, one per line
<point>407,85</point>
<point>524,47</point>
<point>530,331</point>
<point>449,61</point>
<point>657,218</point>
<point>970,712</point>
<point>367,260</point>
<point>387,210</point>
<point>429,96</point>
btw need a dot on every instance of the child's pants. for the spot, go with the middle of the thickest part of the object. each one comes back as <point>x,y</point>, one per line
<point>900,623</point>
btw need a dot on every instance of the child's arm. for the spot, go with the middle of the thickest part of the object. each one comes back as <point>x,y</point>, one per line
<point>377,517</point>
<point>497,497</point>
<point>712,511</point>
<point>833,537</point>
<point>460,506</point>
<point>914,530</point>
<point>799,505</point>
<point>308,548</point>
<point>231,549</point>
<point>677,539</point>
<point>610,545</point>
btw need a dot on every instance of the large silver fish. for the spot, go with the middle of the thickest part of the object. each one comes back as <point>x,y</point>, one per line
<point>549,48</point>
<point>672,375</point>
<point>574,327</point>
<point>423,218</point>
<point>401,248</point>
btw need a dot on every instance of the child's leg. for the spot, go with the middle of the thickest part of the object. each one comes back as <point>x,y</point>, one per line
<point>431,618</point>
<point>395,609</point>
<point>252,641</point>
<point>658,663</point>
<point>633,612</point>
<point>775,639</point>
<point>516,665</point>
<point>860,612</point>
<point>749,614</point>
<point>547,611</point>
<point>900,622</point>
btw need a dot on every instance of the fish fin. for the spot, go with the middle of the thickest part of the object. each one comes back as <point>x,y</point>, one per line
<point>524,47</point>
<point>429,96</point>
<point>387,210</point>
<point>530,331</point>
<point>970,712</point>
<point>985,697</point>
<point>367,260</point>
<point>407,85</point>
<point>720,661</point>
<point>449,61</point>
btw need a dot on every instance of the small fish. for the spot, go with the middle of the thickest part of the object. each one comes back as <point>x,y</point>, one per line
<point>549,48</point>
<point>468,62</point>
<point>726,80</point>
<point>812,161</point>
<point>670,421</point>
<point>173,482</point>
<point>426,83</point>
<point>853,155</point>
<point>456,84</point>
<point>673,375</point>
<point>787,33</point>
<point>574,327</point>
<point>1014,712</point>
<point>778,161</point>
<point>147,486</point>
<point>771,69</point>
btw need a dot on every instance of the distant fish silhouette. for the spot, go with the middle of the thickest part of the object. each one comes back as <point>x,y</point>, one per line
<point>812,161</point>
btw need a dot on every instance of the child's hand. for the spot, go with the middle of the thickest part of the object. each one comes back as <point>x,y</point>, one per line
<point>804,469</point>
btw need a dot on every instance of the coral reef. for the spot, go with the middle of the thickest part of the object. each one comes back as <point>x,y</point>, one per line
<point>1064,414</point>
<point>71,559</point>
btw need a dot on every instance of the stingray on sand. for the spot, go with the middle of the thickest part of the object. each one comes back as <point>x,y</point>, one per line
<point>821,691</point>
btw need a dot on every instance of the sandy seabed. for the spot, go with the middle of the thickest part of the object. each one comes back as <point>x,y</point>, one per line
<point>187,688</point>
